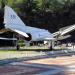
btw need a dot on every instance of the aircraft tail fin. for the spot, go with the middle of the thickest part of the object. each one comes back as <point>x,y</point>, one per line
<point>10,17</point>
<point>13,22</point>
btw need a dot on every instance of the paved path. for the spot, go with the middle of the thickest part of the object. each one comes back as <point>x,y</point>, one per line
<point>64,65</point>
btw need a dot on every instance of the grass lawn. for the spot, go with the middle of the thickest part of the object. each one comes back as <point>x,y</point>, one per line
<point>8,54</point>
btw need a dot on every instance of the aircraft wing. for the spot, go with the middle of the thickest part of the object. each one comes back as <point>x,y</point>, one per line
<point>67,30</point>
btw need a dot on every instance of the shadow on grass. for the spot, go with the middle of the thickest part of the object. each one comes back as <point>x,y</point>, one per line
<point>27,50</point>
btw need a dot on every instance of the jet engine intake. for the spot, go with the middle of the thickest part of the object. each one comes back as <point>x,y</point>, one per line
<point>28,38</point>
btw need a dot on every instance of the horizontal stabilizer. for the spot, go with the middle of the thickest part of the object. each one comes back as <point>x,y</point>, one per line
<point>21,33</point>
<point>2,38</point>
<point>18,31</point>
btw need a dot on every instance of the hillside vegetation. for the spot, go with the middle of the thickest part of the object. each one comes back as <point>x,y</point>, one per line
<point>47,14</point>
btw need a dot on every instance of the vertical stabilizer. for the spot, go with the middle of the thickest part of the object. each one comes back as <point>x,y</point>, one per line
<point>13,22</point>
<point>11,18</point>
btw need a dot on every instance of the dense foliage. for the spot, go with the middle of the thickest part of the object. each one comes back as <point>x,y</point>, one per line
<point>48,14</point>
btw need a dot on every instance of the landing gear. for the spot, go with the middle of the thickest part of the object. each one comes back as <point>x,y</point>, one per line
<point>18,47</point>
